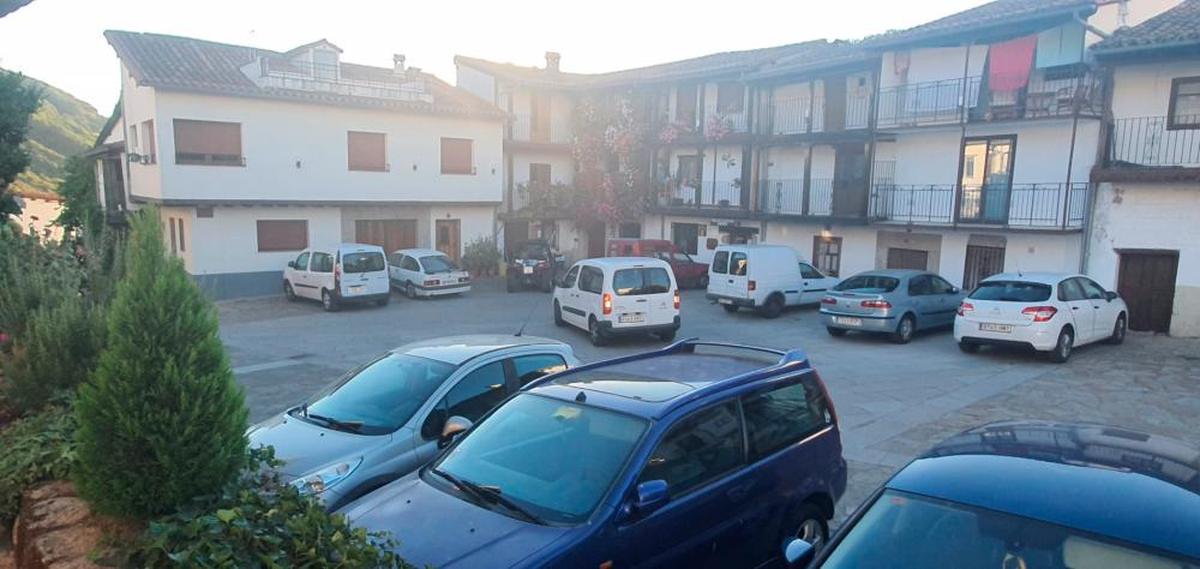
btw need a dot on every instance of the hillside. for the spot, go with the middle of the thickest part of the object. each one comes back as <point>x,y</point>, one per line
<point>63,126</point>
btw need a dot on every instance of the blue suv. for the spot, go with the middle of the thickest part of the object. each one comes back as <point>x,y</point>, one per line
<point>696,455</point>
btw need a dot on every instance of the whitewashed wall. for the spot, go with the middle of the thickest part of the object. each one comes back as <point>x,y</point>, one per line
<point>228,241</point>
<point>1144,90</point>
<point>138,105</point>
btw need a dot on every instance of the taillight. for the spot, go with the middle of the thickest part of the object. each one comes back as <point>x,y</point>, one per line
<point>676,299</point>
<point>829,300</point>
<point>1040,313</point>
<point>880,304</point>
<point>965,308</point>
<point>606,304</point>
<point>541,263</point>
<point>751,286</point>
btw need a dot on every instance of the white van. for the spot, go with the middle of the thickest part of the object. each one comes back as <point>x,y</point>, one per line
<point>350,272</point>
<point>619,295</point>
<point>765,277</point>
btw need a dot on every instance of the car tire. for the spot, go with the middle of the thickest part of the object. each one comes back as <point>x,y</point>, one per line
<point>809,524</point>
<point>1063,347</point>
<point>288,292</point>
<point>668,336</point>
<point>773,307</point>
<point>410,291</point>
<point>905,330</point>
<point>1119,329</point>
<point>702,282</point>
<point>385,300</point>
<point>558,319</point>
<point>548,283</point>
<point>730,308</point>
<point>596,333</point>
<point>328,302</point>
<point>968,347</point>
<point>835,332</point>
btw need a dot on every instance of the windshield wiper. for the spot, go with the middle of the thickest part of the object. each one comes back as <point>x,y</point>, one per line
<point>490,494</point>
<point>352,426</point>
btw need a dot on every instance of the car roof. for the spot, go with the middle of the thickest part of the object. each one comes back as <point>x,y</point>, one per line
<point>457,350</point>
<point>1032,277</point>
<point>896,273</point>
<point>623,261</point>
<point>1114,482</point>
<point>752,246</point>
<point>652,384</point>
<point>415,252</point>
<point>345,247</point>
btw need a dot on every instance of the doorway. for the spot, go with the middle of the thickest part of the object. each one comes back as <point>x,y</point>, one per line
<point>982,262</point>
<point>686,236</point>
<point>899,258</point>
<point>514,233</point>
<point>449,237</point>
<point>850,180</point>
<point>391,234</point>
<point>1146,280</point>
<point>595,240</point>
<point>987,166</point>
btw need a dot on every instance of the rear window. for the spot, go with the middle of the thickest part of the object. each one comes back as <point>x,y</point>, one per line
<point>362,262</point>
<point>1011,291</point>
<point>533,251</point>
<point>738,264</point>
<point>720,262</point>
<point>438,264</point>
<point>874,283</point>
<point>633,282</point>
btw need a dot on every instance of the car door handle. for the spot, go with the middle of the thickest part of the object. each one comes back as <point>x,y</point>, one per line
<point>1074,308</point>
<point>641,300</point>
<point>1096,307</point>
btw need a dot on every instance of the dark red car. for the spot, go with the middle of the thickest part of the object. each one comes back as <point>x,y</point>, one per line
<point>688,273</point>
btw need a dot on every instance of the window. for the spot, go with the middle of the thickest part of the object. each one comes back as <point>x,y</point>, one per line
<point>434,264</point>
<point>366,151</point>
<point>938,285</point>
<point>182,241</point>
<point>384,395</point>
<point>636,282</point>
<point>471,398</point>
<point>322,263</point>
<point>730,97</point>
<point>630,230</point>
<point>720,263</point>
<point>686,236</point>
<point>591,280</point>
<point>869,283</point>
<point>208,143</point>
<point>690,172</point>
<point>133,138</point>
<point>807,271</point>
<point>783,416</point>
<point>204,212</point>
<point>827,254</point>
<point>325,64</point>
<point>1091,290</point>
<point>282,235</point>
<point>410,264</point>
<point>539,175</point>
<point>149,148</point>
<point>358,263</point>
<point>529,368</point>
<point>302,261</point>
<point>456,156</point>
<point>1069,290</point>
<point>1011,291</point>
<point>919,286</point>
<point>698,449</point>
<point>685,104</point>
<point>738,264</point>
<point>1183,110</point>
<point>569,280</point>
<point>174,244</point>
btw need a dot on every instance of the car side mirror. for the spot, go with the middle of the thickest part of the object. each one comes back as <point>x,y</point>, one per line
<point>955,290</point>
<point>454,426</point>
<point>651,495</point>
<point>1110,295</point>
<point>291,264</point>
<point>799,553</point>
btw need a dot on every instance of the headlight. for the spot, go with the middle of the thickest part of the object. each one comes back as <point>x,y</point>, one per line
<point>323,479</point>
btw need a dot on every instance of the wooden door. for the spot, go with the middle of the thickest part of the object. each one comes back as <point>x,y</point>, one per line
<point>595,240</point>
<point>540,118</point>
<point>391,234</point>
<point>898,258</point>
<point>982,262</point>
<point>835,103</point>
<point>1147,283</point>
<point>449,237</point>
<point>850,180</point>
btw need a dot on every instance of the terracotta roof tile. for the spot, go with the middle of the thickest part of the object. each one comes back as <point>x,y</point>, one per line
<point>1177,27</point>
<point>993,15</point>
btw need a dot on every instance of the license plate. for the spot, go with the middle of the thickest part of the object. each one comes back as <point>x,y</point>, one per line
<point>633,318</point>
<point>356,288</point>
<point>844,321</point>
<point>527,270</point>
<point>724,301</point>
<point>989,327</point>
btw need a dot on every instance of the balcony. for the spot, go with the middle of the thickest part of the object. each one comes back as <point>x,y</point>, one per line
<point>788,197</point>
<point>356,81</point>
<point>1050,206</point>
<point>1149,142</point>
<point>943,102</point>
<point>807,115</point>
<point>522,128</point>
<point>707,194</point>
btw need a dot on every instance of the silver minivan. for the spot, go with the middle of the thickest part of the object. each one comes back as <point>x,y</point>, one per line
<point>391,415</point>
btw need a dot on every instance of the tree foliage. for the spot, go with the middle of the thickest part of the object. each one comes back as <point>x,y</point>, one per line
<point>18,101</point>
<point>37,449</point>
<point>81,209</point>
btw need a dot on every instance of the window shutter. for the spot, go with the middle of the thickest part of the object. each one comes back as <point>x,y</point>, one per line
<point>282,234</point>
<point>456,156</point>
<point>208,142</point>
<point>367,151</point>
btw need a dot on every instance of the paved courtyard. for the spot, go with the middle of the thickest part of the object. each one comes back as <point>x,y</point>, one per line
<point>893,401</point>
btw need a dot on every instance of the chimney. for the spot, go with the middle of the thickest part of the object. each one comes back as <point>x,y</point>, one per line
<point>398,63</point>
<point>552,58</point>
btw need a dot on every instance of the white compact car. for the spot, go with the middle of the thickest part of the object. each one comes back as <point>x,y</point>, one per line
<point>1052,313</point>
<point>426,272</point>
<point>765,277</point>
<point>619,295</point>
<point>350,272</point>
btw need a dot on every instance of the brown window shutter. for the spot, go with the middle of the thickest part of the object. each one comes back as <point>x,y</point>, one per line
<point>367,151</point>
<point>151,147</point>
<point>282,234</point>
<point>207,142</point>
<point>456,156</point>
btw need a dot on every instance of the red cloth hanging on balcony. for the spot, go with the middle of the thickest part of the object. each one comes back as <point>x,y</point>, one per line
<point>1010,62</point>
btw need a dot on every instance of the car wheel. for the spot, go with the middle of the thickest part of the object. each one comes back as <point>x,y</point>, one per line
<point>667,336</point>
<point>328,302</point>
<point>597,334</point>
<point>773,308</point>
<point>1062,349</point>
<point>558,319</point>
<point>385,300</point>
<point>288,292</point>
<point>703,282</point>
<point>410,290</point>
<point>809,525</point>
<point>548,283</point>
<point>905,330</point>
<point>835,332</point>
<point>968,347</point>
<point>730,308</point>
<point>1118,335</point>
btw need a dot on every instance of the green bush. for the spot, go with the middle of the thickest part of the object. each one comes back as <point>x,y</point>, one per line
<point>34,275</point>
<point>37,448</point>
<point>55,354</point>
<point>162,420</point>
<point>260,522</point>
<point>481,257</point>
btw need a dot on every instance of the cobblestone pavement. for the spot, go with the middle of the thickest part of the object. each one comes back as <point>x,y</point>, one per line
<point>893,401</point>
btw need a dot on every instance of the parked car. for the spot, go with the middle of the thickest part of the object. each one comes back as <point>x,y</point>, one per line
<point>898,302</point>
<point>697,455</point>
<point>624,247</point>
<point>1049,312</point>
<point>768,278</point>
<point>1030,495</point>
<point>533,264</point>
<point>383,419</point>
<point>615,296</point>
<point>425,272</point>
<point>350,272</point>
<point>687,271</point>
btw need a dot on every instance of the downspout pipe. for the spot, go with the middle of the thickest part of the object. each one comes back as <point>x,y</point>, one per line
<point>1089,27</point>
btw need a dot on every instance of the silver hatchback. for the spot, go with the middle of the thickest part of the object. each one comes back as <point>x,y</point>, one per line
<point>386,418</point>
<point>897,302</point>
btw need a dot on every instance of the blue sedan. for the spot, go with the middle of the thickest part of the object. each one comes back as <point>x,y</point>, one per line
<point>1030,495</point>
<point>897,302</point>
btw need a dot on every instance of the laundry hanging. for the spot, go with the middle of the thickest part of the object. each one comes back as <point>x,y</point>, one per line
<point>1010,62</point>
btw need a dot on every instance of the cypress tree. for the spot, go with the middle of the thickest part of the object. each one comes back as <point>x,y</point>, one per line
<point>162,420</point>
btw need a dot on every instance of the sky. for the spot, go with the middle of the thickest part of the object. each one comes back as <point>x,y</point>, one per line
<point>61,42</point>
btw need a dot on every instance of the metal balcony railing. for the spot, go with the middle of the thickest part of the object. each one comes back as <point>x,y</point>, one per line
<point>953,100</point>
<point>339,79</point>
<point>1031,206</point>
<point>547,131</point>
<point>805,115</point>
<point>1149,141</point>
<point>703,194</point>
<point>731,123</point>
<point>787,196</point>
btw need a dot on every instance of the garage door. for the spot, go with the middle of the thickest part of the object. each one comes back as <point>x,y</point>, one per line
<point>1147,283</point>
<point>899,258</point>
<point>391,234</point>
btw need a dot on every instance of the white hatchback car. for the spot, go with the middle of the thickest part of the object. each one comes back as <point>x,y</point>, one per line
<point>619,295</point>
<point>350,272</point>
<point>426,272</point>
<point>1050,312</point>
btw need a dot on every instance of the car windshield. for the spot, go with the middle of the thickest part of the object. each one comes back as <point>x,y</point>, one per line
<point>553,458</point>
<point>368,262</point>
<point>1011,291</point>
<point>380,397</point>
<point>438,264</point>
<point>532,251</point>
<point>634,282</point>
<point>868,283</point>
<point>936,533</point>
